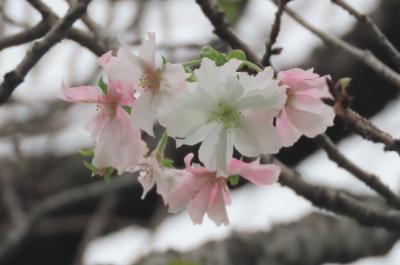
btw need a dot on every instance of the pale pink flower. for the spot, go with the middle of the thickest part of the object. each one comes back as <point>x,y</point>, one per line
<point>116,142</point>
<point>304,112</point>
<point>204,191</point>
<point>155,87</point>
<point>151,174</point>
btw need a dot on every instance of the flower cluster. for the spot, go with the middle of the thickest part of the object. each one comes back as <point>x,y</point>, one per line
<point>218,104</point>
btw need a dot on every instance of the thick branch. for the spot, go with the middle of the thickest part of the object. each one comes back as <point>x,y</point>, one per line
<point>315,239</point>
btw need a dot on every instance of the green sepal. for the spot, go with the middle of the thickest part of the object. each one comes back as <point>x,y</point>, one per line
<point>234,180</point>
<point>162,144</point>
<point>87,152</point>
<point>128,109</point>
<point>167,163</point>
<point>91,167</point>
<point>344,82</point>
<point>108,174</point>
<point>102,85</point>
<point>211,53</point>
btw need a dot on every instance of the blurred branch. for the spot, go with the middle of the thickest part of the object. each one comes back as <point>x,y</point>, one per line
<point>366,20</point>
<point>223,30</point>
<point>97,224</point>
<point>365,56</point>
<point>274,34</point>
<point>369,179</point>
<point>17,235</point>
<point>313,240</point>
<point>35,53</point>
<point>10,197</point>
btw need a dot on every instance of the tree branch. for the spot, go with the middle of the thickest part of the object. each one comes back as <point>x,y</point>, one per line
<point>313,240</point>
<point>56,34</point>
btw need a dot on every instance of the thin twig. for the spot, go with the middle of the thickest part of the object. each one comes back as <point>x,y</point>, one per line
<point>393,53</point>
<point>223,30</point>
<point>274,33</point>
<point>369,179</point>
<point>364,56</point>
<point>35,53</point>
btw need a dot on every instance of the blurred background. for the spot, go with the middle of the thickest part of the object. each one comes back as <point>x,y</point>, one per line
<point>40,135</point>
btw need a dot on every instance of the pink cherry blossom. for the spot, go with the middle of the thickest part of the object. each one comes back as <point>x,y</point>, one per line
<point>304,113</point>
<point>151,174</point>
<point>116,142</point>
<point>204,191</point>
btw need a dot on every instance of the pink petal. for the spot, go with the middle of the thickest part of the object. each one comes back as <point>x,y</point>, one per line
<point>288,134</point>
<point>217,211</point>
<point>105,58</point>
<point>255,172</point>
<point>198,206</point>
<point>85,94</point>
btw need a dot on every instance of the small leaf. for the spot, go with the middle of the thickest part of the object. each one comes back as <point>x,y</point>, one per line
<point>128,109</point>
<point>211,53</point>
<point>162,143</point>
<point>238,54</point>
<point>164,60</point>
<point>108,174</point>
<point>91,167</point>
<point>103,86</point>
<point>87,152</point>
<point>168,163</point>
<point>344,82</point>
<point>234,180</point>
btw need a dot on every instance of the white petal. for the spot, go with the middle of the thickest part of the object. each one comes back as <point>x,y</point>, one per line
<point>207,150</point>
<point>144,111</point>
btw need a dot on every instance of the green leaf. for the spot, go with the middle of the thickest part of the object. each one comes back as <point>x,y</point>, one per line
<point>238,54</point>
<point>234,180</point>
<point>103,86</point>
<point>87,152</point>
<point>128,109</point>
<point>251,65</point>
<point>108,174</point>
<point>167,163</point>
<point>91,167</point>
<point>211,53</point>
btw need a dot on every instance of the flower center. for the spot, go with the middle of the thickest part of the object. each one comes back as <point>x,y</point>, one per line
<point>227,115</point>
<point>150,80</point>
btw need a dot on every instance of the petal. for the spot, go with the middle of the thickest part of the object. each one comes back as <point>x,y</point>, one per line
<point>86,94</point>
<point>147,50</point>
<point>105,58</point>
<point>254,172</point>
<point>207,150</point>
<point>198,206</point>
<point>144,112</point>
<point>217,211</point>
<point>198,134</point>
<point>255,136</point>
<point>224,152</point>
<point>147,181</point>
<point>173,78</point>
<point>288,133</point>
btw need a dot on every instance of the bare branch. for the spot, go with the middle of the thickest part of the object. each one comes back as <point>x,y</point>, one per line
<point>38,49</point>
<point>274,33</point>
<point>364,56</point>
<point>369,179</point>
<point>394,54</point>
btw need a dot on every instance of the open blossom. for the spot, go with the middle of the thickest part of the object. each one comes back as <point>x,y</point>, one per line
<point>153,174</point>
<point>225,109</point>
<point>154,86</point>
<point>116,142</point>
<point>204,191</point>
<point>304,112</point>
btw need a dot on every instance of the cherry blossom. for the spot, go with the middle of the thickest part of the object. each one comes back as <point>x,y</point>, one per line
<point>116,142</point>
<point>224,109</point>
<point>304,112</point>
<point>154,86</point>
<point>205,191</point>
<point>153,174</point>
